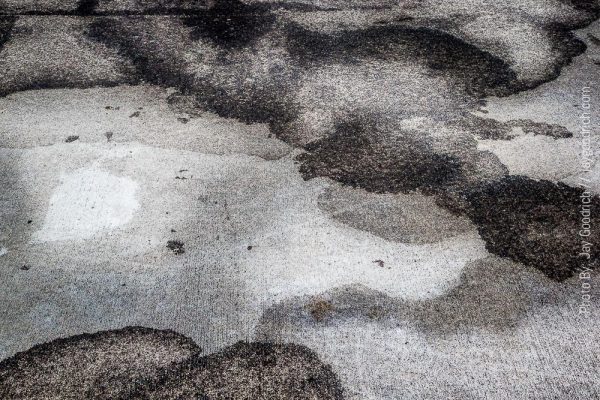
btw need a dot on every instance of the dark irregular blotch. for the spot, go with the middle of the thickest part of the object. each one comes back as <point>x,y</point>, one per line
<point>534,222</point>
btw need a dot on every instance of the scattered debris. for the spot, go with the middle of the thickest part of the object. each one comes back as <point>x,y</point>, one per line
<point>381,263</point>
<point>109,136</point>
<point>25,267</point>
<point>135,114</point>
<point>249,247</point>
<point>176,246</point>
<point>183,120</point>
<point>71,138</point>
<point>173,231</point>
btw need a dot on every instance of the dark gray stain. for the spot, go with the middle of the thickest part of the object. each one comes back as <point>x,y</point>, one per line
<point>591,6</point>
<point>492,295</point>
<point>478,71</point>
<point>360,155</point>
<point>248,371</point>
<point>487,128</point>
<point>102,365</point>
<point>231,23</point>
<point>6,26</point>
<point>143,363</point>
<point>535,222</point>
<point>86,7</point>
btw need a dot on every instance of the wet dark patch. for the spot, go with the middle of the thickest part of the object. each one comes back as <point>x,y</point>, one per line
<point>231,23</point>
<point>540,128</point>
<point>248,371</point>
<point>6,26</point>
<point>86,7</point>
<point>591,6</point>
<point>142,363</point>
<point>103,365</point>
<point>176,246</point>
<point>477,70</point>
<point>534,222</point>
<point>71,138</point>
<point>360,155</point>
<point>488,128</point>
<point>131,36</point>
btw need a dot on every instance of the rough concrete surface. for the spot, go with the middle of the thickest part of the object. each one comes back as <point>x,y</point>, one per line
<point>303,199</point>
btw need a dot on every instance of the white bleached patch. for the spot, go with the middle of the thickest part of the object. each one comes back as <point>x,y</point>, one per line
<point>86,202</point>
<point>3,251</point>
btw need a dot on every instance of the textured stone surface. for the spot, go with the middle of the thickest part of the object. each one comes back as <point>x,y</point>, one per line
<point>392,185</point>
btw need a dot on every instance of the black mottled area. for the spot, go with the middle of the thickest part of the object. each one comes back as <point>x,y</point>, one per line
<point>540,128</point>
<point>133,40</point>
<point>534,222</point>
<point>231,23</point>
<point>478,71</point>
<point>6,26</point>
<point>497,130</point>
<point>103,365</point>
<point>360,155</point>
<point>591,6</point>
<point>248,371</point>
<point>142,363</point>
<point>86,7</point>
